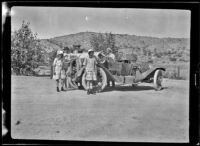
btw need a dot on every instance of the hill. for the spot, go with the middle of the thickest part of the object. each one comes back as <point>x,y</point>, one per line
<point>164,50</point>
<point>49,46</point>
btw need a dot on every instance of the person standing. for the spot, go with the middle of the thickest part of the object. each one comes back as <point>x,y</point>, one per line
<point>111,59</point>
<point>90,64</point>
<point>66,68</point>
<point>102,59</point>
<point>110,55</point>
<point>57,70</point>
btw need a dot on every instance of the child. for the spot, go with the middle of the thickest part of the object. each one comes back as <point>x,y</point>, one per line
<point>65,69</point>
<point>91,69</point>
<point>58,71</point>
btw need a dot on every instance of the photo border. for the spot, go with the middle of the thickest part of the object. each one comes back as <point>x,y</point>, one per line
<point>194,104</point>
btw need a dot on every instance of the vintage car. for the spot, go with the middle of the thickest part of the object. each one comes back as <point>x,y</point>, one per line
<point>121,71</point>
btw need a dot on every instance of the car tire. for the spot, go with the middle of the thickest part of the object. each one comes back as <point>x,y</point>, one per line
<point>158,77</point>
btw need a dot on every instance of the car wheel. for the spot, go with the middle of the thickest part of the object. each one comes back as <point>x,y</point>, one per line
<point>158,78</point>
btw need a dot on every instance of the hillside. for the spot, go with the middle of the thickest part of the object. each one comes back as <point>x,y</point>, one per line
<point>167,49</point>
<point>48,46</point>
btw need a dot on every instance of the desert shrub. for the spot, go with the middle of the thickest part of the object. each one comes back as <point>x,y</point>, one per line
<point>158,54</point>
<point>172,59</point>
<point>170,74</point>
<point>183,59</point>
<point>174,74</point>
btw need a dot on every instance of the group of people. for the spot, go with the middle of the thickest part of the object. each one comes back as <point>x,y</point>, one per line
<point>61,69</point>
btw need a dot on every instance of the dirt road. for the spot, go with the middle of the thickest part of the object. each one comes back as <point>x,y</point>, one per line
<point>123,114</point>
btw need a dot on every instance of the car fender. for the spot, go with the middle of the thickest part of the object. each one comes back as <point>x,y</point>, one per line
<point>150,73</point>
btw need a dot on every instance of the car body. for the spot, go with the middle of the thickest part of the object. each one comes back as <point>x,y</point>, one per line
<point>123,72</point>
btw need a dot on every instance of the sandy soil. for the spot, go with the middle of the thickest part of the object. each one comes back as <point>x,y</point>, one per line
<point>138,114</point>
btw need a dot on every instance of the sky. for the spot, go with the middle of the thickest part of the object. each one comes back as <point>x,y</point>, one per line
<point>49,22</point>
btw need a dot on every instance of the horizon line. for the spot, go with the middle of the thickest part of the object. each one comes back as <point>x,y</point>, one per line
<point>115,34</point>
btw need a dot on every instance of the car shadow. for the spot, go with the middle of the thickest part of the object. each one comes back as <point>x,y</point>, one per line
<point>128,88</point>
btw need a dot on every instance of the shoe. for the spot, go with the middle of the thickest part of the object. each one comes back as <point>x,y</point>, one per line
<point>62,89</point>
<point>99,91</point>
<point>93,92</point>
<point>88,92</point>
<point>58,89</point>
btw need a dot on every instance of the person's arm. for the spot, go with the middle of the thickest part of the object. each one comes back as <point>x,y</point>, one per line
<point>54,65</point>
<point>95,63</point>
<point>97,60</point>
<point>69,69</point>
<point>113,57</point>
<point>80,61</point>
<point>85,62</point>
<point>62,64</point>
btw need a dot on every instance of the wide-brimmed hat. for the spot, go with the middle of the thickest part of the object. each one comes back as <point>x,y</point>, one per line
<point>59,52</point>
<point>90,50</point>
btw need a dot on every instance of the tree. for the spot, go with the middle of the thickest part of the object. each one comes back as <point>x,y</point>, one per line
<point>110,42</point>
<point>26,53</point>
<point>100,42</point>
<point>97,41</point>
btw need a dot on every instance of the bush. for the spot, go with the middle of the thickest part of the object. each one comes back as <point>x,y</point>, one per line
<point>173,74</point>
<point>26,53</point>
<point>172,59</point>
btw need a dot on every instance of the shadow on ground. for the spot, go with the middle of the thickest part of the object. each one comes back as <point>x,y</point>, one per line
<point>128,88</point>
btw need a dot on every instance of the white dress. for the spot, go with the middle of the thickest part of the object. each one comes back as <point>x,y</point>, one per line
<point>90,69</point>
<point>58,69</point>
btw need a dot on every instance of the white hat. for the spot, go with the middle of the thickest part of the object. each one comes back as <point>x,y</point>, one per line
<point>59,52</point>
<point>90,50</point>
<point>109,49</point>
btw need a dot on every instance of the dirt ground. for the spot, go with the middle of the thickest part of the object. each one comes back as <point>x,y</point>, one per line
<point>137,114</point>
